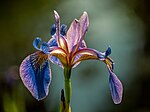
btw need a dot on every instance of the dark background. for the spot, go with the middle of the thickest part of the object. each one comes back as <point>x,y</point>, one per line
<point>122,24</point>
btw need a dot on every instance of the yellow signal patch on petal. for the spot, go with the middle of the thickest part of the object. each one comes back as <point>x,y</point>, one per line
<point>60,54</point>
<point>85,57</point>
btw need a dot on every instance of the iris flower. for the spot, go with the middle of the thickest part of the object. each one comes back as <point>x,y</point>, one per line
<point>66,49</point>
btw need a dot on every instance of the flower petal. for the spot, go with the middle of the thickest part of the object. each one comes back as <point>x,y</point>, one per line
<point>87,54</point>
<point>56,61</point>
<point>63,29</point>
<point>108,52</point>
<point>53,29</point>
<point>57,20</point>
<point>115,87</point>
<point>109,62</point>
<point>52,42</point>
<point>60,41</point>
<point>45,48</point>
<point>84,23</point>
<point>73,34</point>
<point>57,17</point>
<point>61,57</point>
<point>83,45</point>
<point>36,43</point>
<point>36,74</point>
<point>76,32</point>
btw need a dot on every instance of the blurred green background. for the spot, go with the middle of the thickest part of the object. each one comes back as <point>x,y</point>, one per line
<point>122,24</point>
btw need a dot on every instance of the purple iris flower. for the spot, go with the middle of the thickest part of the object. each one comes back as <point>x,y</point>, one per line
<point>67,49</point>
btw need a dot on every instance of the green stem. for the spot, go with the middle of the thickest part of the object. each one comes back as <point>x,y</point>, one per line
<point>67,74</point>
<point>68,89</point>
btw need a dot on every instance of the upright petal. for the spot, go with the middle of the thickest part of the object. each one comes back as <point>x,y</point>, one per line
<point>115,87</point>
<point>84,23</point>
<point>53,29</point>
<point>73,34</point>
<point>36,74</point>
<point>63,29</point>
<point>108,52</point>
<point>57,20</point>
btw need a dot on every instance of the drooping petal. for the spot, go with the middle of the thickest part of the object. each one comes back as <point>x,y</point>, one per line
<point>88,54</point>
<point>73,34</point>
<point>36,43</point>
<point>116,87</point>
<point>36,74</point>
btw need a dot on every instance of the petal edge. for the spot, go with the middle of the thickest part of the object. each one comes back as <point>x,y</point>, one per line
<point>36,43</point>
<point>115,87</point>
<point>36,75</point>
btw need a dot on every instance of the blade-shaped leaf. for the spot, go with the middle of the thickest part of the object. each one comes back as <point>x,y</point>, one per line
<point>36,74</point>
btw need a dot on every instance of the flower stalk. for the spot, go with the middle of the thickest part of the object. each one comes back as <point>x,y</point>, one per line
<point>68,90</point>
